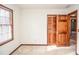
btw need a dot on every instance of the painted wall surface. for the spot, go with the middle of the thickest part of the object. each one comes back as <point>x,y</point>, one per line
<point>34,25</point>
<point>10,46</point>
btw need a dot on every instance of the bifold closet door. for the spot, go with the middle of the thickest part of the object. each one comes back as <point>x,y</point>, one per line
<point>51,29</point>
<point>62,31</point>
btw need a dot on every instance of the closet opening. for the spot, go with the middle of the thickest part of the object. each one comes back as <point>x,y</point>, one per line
<point>73,28</point>
<point>57,30</point>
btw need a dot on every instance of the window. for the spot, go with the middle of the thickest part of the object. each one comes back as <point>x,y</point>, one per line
<point>6,25</point>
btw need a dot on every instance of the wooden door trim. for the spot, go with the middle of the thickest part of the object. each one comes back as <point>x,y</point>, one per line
<point>72,12</point>
<point>76,27</point>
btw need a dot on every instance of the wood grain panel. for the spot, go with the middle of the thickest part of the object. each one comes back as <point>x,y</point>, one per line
<point>51,30</point>
<point>62,31</point>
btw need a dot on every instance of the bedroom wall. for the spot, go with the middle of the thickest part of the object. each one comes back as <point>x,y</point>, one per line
<point>10,46</point>
<point>34,25</point>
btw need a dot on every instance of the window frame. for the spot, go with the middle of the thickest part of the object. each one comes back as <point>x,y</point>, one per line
<point>11,18</point>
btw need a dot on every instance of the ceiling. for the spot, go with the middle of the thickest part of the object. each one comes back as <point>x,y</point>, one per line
<point>45,6</point>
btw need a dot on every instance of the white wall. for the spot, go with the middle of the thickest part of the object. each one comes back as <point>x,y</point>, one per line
<point>34,25</point>
<point>10,46</point>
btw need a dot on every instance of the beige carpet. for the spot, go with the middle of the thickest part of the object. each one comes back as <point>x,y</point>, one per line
<point>45,50</point>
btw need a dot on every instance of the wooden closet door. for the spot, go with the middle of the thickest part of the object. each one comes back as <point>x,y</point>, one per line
<point>62,31</point>
<point>51,30</point>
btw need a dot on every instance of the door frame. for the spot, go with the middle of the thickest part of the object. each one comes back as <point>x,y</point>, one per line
<point>76,27</point>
